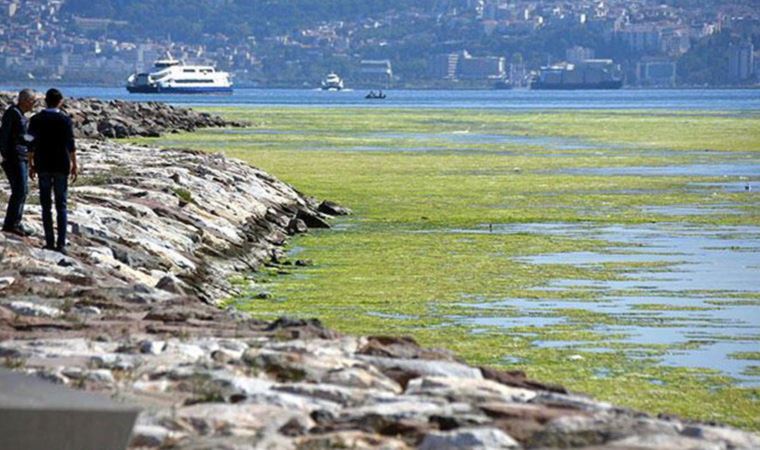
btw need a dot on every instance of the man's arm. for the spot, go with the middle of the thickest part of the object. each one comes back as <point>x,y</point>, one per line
<point>8,127</point>
<point>71,145</point>
<point>74,167</point>
<point>30,153</point>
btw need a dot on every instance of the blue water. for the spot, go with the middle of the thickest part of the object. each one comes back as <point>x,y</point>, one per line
<point>673,99</point>
<point>707,267</point>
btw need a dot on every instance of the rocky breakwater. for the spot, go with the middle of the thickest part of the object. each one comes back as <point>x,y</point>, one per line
<point>119,119</point>
<point>157,232</point>
<point>293,384</point>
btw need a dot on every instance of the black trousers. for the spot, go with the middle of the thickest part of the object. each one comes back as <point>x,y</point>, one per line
<point>17,173</point>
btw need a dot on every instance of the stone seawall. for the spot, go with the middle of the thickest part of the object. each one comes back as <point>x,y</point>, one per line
<point>119,119</point>
<point>150,230</point>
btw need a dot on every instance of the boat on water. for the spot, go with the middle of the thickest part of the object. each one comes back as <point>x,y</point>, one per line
<point>171,76</point>
<point>587,74</point>
<point>502,85</point>
<point>375,95</point>
<point>332,82</point>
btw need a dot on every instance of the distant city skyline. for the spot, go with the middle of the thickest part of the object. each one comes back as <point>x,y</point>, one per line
<point>432,43</point>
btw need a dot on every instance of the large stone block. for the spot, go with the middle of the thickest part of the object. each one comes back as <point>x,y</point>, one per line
<point>39,415</point>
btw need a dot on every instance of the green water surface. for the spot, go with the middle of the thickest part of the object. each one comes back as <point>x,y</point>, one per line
<point>416,256</point>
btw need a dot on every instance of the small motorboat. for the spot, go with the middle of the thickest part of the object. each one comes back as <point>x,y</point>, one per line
<point>375,95</point>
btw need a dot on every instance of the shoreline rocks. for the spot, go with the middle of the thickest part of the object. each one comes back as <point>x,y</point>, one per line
<point>292,384</point>
<point>155,234</point>
<point>100,119</point>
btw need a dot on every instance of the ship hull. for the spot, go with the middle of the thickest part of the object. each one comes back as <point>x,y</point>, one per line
<point>602,85</point>
<point>176,90</point>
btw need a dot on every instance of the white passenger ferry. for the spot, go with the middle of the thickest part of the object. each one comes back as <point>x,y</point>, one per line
<point>173,76</point>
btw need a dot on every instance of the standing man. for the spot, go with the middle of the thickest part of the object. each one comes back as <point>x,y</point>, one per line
<point>53,158</point>
<point>14,143</point>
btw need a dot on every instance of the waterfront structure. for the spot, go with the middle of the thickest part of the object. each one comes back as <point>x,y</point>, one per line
<point>518,74</point>
<point>741,62</point>
<point>589,74</point>
<point>376,72</point>
<point>656,72</point>
<point>444,67</point>
<point>481,67</point>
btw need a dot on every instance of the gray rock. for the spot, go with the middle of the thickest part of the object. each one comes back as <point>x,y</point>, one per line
<point>664,442</point>
<point>154,436</point>
<point>223,418</point>
<point>424,367</point>
<point>336,394</point>
<point>101,376</point>
<point>352,440</point>
<point>407,407</point>
<point>469,438</point>
<point>170,283</point>
<point>362,377</point>
<point>23,308</point>
<point>152,347</point>
<point>6,282</point>
<point>333,209</point>
<point>88,310</point>
<point>731,438</point>
<point>468,389</point>
<point>297,226</point>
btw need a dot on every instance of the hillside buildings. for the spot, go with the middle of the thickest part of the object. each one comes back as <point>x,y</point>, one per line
<point>413,46</point>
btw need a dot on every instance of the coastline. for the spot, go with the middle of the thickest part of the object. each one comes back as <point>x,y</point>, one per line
<point>205,376</point>
<point>11,84</point>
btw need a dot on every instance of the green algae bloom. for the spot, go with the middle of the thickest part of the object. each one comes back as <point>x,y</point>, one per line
<point>470,230</point>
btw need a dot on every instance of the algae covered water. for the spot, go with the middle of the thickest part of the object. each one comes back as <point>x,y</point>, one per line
<point>615,252</point>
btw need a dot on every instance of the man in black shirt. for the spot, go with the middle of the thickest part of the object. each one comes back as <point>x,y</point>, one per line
<point>14,142</point>
<point>54,159</point>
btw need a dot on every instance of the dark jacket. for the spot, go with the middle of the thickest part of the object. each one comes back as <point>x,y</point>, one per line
<point>12,134</point>
<point>53,141</point>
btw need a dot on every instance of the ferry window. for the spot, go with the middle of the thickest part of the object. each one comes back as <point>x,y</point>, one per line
<point>189,70</point>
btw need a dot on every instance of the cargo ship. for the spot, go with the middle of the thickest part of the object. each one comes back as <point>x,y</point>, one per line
<point>587,74</point>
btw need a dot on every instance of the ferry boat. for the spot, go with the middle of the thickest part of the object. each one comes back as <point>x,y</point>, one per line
<point>332,82</point>
<point>172,76</point>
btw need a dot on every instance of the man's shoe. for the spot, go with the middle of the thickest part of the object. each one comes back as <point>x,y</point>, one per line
<point>15,231</point>
<point>62,250</point>
<point>48,247</point>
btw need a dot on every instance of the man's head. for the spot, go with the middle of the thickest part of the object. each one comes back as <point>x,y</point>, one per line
<point>53,98</point>
<point>26,100</point>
